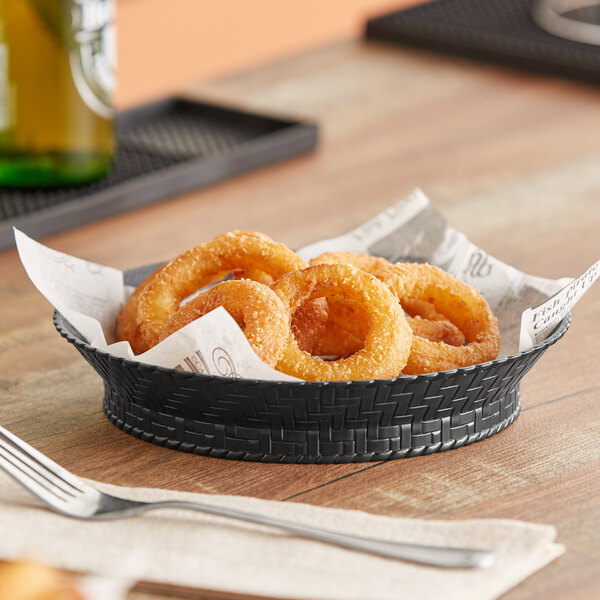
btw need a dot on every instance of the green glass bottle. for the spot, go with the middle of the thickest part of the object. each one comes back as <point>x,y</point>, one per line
<point>56,79</point>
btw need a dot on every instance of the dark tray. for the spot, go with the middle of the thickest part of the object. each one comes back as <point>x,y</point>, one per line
<point>309,422</point>
<point>164,149</point>
<point>502,31</point>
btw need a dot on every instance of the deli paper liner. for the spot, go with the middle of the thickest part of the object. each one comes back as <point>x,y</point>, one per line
<point>90,296</point>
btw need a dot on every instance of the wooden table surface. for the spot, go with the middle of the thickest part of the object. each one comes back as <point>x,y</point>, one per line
<point>511,159</point>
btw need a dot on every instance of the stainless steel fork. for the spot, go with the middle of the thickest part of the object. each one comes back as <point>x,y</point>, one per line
<point>68,495</point>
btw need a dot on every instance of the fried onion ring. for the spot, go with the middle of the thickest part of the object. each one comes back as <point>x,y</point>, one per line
<point>27,579</point>
<point>343,331</point>
<point>428,323</point>
<point>437,331</point>
<point>127,329</point>
<point>256,309</point>
<point>127,320</point>
<point>388,339</point>
<point>375,265</point>
<point>460,303</point>
<point>346,328</point>
<point>201,266</point>
<point>253,275</point>
<point>309,322</point>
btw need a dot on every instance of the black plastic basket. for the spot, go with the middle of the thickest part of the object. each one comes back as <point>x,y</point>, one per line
<point>309,422</point>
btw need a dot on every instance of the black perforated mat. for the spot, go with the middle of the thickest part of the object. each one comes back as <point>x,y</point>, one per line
<point>499,30</point>
<point>163,149</point>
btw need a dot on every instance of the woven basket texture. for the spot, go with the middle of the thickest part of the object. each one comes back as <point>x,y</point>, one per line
<point>310,422</point>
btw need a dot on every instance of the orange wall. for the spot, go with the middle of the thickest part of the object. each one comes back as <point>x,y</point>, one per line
<point>165,44</point>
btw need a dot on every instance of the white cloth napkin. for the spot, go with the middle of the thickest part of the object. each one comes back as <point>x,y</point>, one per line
<point>196,550</point>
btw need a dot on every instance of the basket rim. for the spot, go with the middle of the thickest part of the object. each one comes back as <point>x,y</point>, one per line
<point>62,324</point>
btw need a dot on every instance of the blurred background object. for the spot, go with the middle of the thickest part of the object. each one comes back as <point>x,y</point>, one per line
<point>500,31</point>
<point>57,61</point>
<point>164,45</point>
<point>577,20</point>
<point>56,83</point>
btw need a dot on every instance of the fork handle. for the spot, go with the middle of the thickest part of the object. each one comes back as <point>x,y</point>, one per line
<point>430,555</point>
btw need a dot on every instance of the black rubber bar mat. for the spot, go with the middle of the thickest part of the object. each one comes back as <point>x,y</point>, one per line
<point>164,149</point>
<point>499,30</point>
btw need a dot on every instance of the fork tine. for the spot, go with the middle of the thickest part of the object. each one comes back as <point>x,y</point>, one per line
<point>44,461</point>
<point>44,492</point>
<point>31,468</point>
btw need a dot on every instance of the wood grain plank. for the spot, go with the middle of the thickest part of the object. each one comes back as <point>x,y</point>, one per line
<point>511,159</point>
<point>544,468</point>
<point>72,430</point>
<point>537,448</point>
